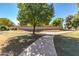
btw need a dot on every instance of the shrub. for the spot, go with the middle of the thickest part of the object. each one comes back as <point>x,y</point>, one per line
<point>3,28</point>
<point>13,28</point>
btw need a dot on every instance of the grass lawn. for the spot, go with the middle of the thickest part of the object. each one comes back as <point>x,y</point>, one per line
<point>67,44</point>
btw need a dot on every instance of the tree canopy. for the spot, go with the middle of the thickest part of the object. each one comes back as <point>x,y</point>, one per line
<point>75,21</point>
<point>6,22</point>
<point>72,21</point>
<point>35,14</point>
<point>69,21</point>
<point>58,22</point>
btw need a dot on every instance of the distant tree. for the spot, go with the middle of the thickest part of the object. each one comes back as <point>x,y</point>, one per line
<point>68,24</point>
<point>75,21</point>
<point>72,21</point>
<point>35,14</point>
<point>58,22</point>
<point>75,24</point>
<point>6,22</point>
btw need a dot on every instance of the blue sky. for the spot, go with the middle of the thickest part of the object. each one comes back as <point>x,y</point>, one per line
<point>65,9</point>
<point>10,10</point>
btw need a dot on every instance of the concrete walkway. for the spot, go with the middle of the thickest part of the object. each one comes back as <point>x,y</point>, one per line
<point>44,46</point>
<point>55,33</point>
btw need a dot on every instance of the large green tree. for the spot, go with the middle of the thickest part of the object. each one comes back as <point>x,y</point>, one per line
<point>35,14</point>
<point>58,22</point>
<point>6,22</point>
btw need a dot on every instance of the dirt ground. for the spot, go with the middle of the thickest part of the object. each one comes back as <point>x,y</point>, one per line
<point>4,36</point>
<point>14,42</point>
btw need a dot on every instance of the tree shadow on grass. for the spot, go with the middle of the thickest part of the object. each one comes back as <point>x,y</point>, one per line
<point>66,46</point>
<point>17,44</point>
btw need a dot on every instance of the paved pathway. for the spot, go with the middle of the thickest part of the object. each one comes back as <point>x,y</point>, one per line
<point>44,46</point>
<point>55,33</point>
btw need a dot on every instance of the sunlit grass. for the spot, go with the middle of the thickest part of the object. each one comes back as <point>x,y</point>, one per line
<point>4,36</point>
<point>74,34</point>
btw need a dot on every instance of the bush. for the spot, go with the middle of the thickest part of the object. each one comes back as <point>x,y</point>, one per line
<point>14,28</point>
<point>3,28</point>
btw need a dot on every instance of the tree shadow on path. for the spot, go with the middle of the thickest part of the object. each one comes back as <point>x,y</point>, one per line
<point>17,44</point>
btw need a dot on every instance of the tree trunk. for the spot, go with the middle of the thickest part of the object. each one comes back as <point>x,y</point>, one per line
<point>34,28</point>
<point>75,28</point>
